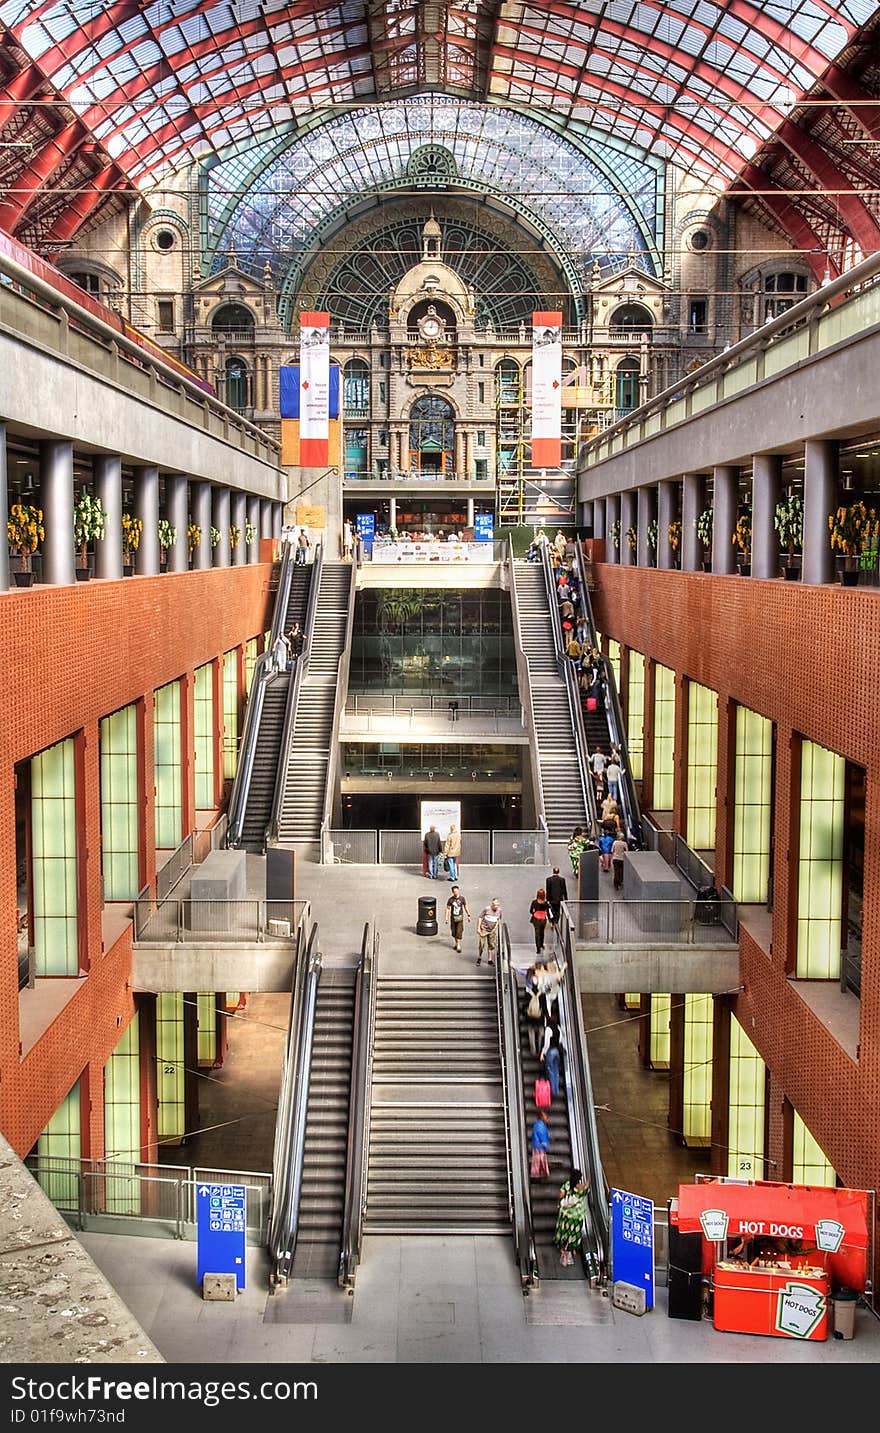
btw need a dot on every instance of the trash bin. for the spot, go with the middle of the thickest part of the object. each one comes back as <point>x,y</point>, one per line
<point>427,922</point>
<point>843,1304</point>
<point>707,909</point>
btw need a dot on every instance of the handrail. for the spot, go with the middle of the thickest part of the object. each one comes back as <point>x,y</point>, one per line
<point>338,709</point>
<point>301,668</point>
<point>515,1114</point>
<point>632,817</point>
<point>264,669</point>
<point>525,695</point>
<point>571,692</point>
<point>359,1104</point>
<point>290,1127</point>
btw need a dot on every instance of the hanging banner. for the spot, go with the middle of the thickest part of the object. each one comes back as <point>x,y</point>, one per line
<point>314,389</point>
<point>546,389</point>
<point>288,390</point>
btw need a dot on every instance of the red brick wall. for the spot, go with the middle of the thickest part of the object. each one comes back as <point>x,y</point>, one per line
<point>72,655</point>
<point>809,659</point>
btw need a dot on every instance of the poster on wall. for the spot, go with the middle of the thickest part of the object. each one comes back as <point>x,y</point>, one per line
<point>546,389</point>
<point>314,401</point>
<point>441,814</point>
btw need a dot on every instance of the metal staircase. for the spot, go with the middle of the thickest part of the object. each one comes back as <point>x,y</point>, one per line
<point>565,804</point>
<point>438,1142</point>
<point>301,804</point>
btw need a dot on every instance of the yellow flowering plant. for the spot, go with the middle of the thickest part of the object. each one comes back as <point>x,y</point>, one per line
<point>847,526</point>
<point>234,535</point>
<point>632,539</point>
<point>132,527</point>
<point>193,537</point>
<point>24,531</point>
<point>742,533</point>
<point>674,534</point>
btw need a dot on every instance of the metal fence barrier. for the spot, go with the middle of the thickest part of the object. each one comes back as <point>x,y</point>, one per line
<point>403,703</point>
<point>354,848</point>
<point>193,921</point>
<point>519,848</point>
<point>478,848</point>
<point>191,852</point>
<point>682,922</point>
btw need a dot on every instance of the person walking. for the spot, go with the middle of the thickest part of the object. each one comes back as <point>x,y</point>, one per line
<point>535,1011</point>
<point>576,845</point>
<point>549,979</point>
<point>551,1053</point>
<point>618,853</point>
<point>613,773</point>
<point>303,544</point>
<point>488,922</point>
<point>570,1216</point>
<point>606,842</point>
<point>281,654</point>
<point>297,640</point>
<point>598,760</point>
<point>557,892</point>
<point>539,914</point>
<point>433,846</point>
<point>452,851</point>
<point>456,910</point>
<point>540,1165</point>
<point>347,540</point>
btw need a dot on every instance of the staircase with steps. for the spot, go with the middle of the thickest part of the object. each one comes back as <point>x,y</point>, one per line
<point>545,1192</point>
<point>564,806</point>
<point>322,1197</point>
<point>438,1139</point>
<point>305,778</point>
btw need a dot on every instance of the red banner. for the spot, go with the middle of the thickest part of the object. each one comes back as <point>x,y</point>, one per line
<point>546,389</point>
<point>314,402</point>
<point>776,1211</point>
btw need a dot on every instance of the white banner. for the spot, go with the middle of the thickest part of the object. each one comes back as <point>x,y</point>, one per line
<point>546,389</point>
<point>314,377</point>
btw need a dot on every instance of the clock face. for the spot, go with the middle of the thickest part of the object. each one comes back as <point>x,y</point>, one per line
<point>430,327</point>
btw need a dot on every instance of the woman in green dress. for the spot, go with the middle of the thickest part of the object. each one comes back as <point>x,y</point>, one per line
<point>577,843</point>
<point>570,1218</point>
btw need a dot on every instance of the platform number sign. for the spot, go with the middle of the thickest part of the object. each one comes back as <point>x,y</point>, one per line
<point>632,1242</point>
<point>222,1227</point>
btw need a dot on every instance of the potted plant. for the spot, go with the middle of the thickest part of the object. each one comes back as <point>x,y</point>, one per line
<point>788,520</point>
<point>193,537</point>
<point>847,526</point>
<point>632,539</point>
<point>870,553</point>
<point>88,526</point>
<point>250,533</point>
<point>215,536</point>
<point>703,524</point>
<point>167,537</point>
<point>614,533</point>
<point>24,533</point>
<point>132,527</point>
<point>742,538</point>
<point>652,533</point>
<point>234,537</point>
<point>673,533</point>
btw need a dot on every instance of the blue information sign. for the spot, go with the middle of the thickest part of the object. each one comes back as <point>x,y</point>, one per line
<point>632,1242</point>
<point>484,526</point>
<point>365,523</point>
<point>221,1223</point>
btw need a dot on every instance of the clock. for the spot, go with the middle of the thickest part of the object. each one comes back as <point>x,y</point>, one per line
<point>431,327</point>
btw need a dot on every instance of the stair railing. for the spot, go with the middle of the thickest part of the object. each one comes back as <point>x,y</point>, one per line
<point>525,695</point>
<point>357,1153</point>
<point>572,693</point>
<point>519,1188</point>
<point>263,671</point>
<point>300,672</point>
<point>338,709</point>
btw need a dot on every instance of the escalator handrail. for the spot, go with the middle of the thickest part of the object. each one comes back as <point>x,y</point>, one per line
<point>514,1104</point>
<point>357,1148</point>
<point>300,672</point>
<point>338,709</point>
<point>573,695</point>
<point>264,669</point>
<point>283,1164</point>
<point>525,694</point>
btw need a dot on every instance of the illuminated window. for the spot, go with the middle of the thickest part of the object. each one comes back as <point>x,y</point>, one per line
<point>122,1122</point>
<point>660,1013</point>
<point>697,1090</point>
<point>753,779</point>
<point>809,1164</point>
<point>230,713</point>
<point>59,1150</point>
<point>207,1035</point>
<point>169,1065</point>
<point>119,805</point>
<point>746,1114</point>
<point>54,866</point>
<point>251,656</point>
<point>614,659</point>
<point>204,736</point>
<point>664,737</point>
<point>702,766</point>
<point>167,769</point>
<point>635,739</point>
<point>820,863</point>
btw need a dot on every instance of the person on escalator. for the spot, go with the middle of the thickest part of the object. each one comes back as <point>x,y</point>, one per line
<point>540,1166</point>
<point>535,1011</point>
<point>613,774</point>
<point>570,1217</point>
<point>551,1053</point>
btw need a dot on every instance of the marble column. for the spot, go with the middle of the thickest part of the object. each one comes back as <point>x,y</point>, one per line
<point>667,512</point>
<point>647,510</point>
<point>820,499</point>
<point>177,513</point>
<point>107,469</point>
<point>277,519</point>
<point>265,518</point>
<point>4,507</point>
<point>469,454</point>
<point>253,517</point>
<point>201,516</point>
<point>692,503</point>
<point>146,507</point>
<point>239,518</point>
<point>599,517</point>
<point>725,504</point>
<point>612,515</point>
<point>221,519</point>
<point>56,500</point>
<point>392,512</point>
<point>470,512</point>
<point>766,483</point>
<point>627,520</point>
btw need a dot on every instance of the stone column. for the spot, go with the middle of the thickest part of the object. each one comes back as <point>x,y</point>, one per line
<point>612,514</point>
<point>647,508</point>
<point>692,503</point>
<point>56,500</point>
<point>220,555</point>
<point>201,516</point>
<point>177,513</point>
<point>239,518</point>
<point>265,518</point>
<point>766,481</point>
<point>667,512</point>
<point>277,519</point>
<point>598,518</point>
<point>459,453</point>
<point>146,507</point>
<point>392,512</point>
<point>725,503</point>
<point>627,520</point>
<point>469,454</point>
<point>820,499</point>
<point>108,489</point>
<point>253,517</point>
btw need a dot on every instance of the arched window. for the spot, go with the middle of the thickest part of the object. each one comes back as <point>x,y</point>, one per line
<point>356,389</point>
<point>236,376</point>
<point>633,318</point>
<point>781,292</point>
<point>431,436</point>
<point>508,383</point>
<point>233,318</point>
<point>626,387</point>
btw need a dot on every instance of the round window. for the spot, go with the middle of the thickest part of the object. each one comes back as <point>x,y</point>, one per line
<point>700,239</point>
<point>165,239</point>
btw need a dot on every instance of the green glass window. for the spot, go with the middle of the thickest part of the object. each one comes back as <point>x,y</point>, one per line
<point>697,1091</point>
<point>635,738</point>
<point>53,833</point>
<point>207,1034</point>
<point>702,766</point>
<point>167,776</point>
<point>661,1006</point>
<point>169,1065</point>
<point>614,659</point>
<point>59,1151</point>
<point>746,1112</point>
<point>752,787</point>
<point>449,643</point>
<point>810,1164</point>
<point>119,805</point>
<point>820,863</point>
<point>204,733</point>
<point>664,737</point>
<point>230,712</point>
<point>122,1122</point>
<point>251,656</point>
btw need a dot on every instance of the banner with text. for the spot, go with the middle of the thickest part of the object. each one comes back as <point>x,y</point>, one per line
<point>314,408</point>
<point>546,389</point>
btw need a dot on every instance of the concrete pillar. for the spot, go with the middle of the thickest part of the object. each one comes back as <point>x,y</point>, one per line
<point>177,513</point>
<point>470,512</point>
<point>627,520</point>
<point>56,500</point>
<point>220,555</point>
<point>647,509</point>
<point>277,519</point>
<point>469,468</point>
<point>4,507</point>
<point>667,512</point>
<point>265,518</point>
<point>459,453</point>
<point>201,516</point>
<point>146,507</point>
<point>108,490</point>
<point>253,517</point>
<point>612,515</point>
<point>725,504</point>
<point>598,518</point>
<point>239,518</point>
<point>693,500</point>
<point>766,481</point>
<point>392,512</point>
<point>820,499</point>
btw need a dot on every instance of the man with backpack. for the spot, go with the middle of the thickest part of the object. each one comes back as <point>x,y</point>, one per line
<point>488,922</point>
<point>456,910</point>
